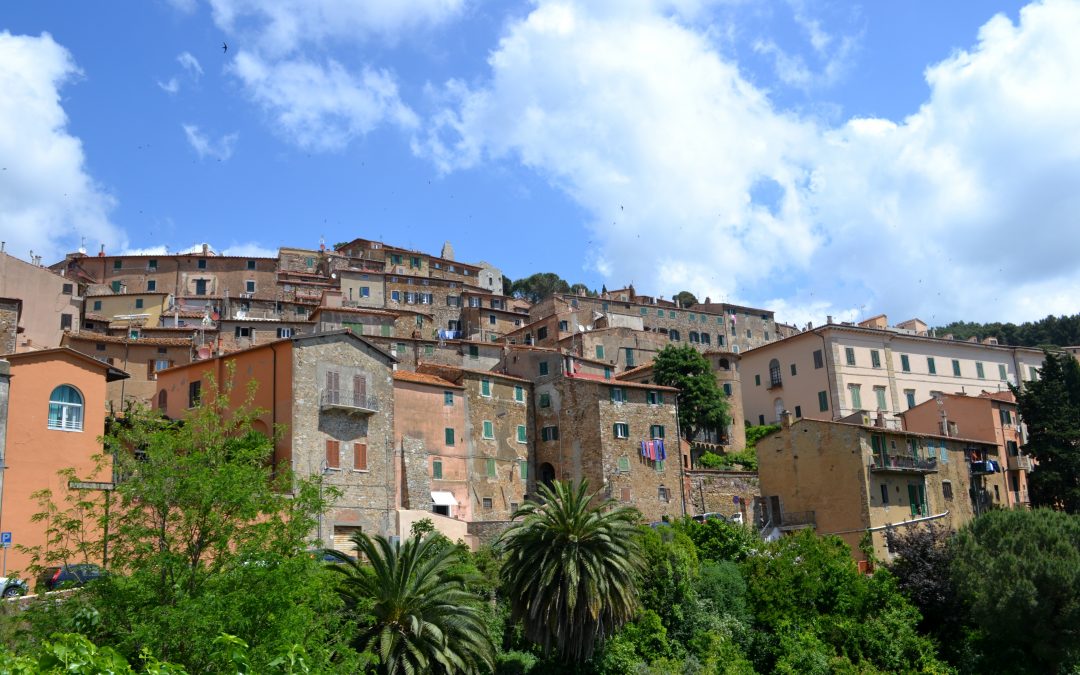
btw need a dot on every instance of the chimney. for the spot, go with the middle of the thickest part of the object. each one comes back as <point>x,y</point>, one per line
<point>828,319</point>
<point>101,253</point>
<point>206,249</point>
<point>787,419</point>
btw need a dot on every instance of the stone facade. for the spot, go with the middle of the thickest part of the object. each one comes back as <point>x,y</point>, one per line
<point>10,309</point>
<point>239,334</point>
<point>725,492</point>
<point>318,429</point>
<point>849,479</point>
<point>140,358</point>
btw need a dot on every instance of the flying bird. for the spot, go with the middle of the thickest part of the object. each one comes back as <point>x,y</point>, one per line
<point>224,47</point>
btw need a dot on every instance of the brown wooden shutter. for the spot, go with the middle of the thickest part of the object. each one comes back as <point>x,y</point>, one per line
<point>333,454</point>
<point>151,374</point>
<point>360,456</point>
<point>626,494</point>
<point>360,389</point>
<point>333,388</point>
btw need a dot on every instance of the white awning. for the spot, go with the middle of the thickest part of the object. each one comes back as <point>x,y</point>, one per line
<point>443,499</point>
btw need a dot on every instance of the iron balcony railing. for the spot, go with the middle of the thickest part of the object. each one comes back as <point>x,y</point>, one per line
<point>1019,462</point>
<point>903,464</point>
<point>794,519</point>
<point>348,400</point>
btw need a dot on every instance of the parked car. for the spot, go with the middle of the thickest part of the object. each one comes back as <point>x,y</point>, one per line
<point>68,576</point>
<point>702,517</point>
<point>13,587</point>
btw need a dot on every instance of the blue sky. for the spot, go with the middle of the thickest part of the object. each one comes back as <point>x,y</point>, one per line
<point>813,157</point>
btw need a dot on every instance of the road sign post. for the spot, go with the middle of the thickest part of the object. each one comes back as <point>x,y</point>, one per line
<point>5,542</point>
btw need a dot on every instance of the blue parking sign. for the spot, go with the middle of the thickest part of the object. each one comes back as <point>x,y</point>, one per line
<point>5,539</point>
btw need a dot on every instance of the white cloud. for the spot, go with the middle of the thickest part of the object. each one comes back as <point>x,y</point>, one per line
<point>322,106</point>
<point>693,178</point>
<point>190,64</point>
<point>48,201</point>
<point>204,146</point>
<point>251,248</point>
<point>170,87</point>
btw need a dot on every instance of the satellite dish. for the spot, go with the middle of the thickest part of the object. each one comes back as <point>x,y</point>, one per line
<point>581,329</point>
<point>333,275</point>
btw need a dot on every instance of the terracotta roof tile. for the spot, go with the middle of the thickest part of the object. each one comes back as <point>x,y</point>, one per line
<point>424,378</point>
<point>117,339</point>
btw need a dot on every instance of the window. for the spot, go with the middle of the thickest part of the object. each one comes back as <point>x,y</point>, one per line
<point>599,351</point>
<point>284,333</point>
<point>249,286</point>
<point>875,358</point>
<point>333,454</point>
<point>474,352</point>
<point>774,374</point>
<point>1012,448</point>
<point>151,286</point>
<point>1005,415</point>
<point>65,409</point>
<point>749,334</point>
<point>542,333</point>
<point>662,493</point>
<point>491,470</point>
<point>629,357</point>
<point>564,326</point>
<point>674,335</point>
<point>856,396</point>
<point>485,388</point>
<point>251,264</point>
<point>67,289</point>
<point>849,354</point>
<point>543,368</point>
<point>798,412</point>
<point>1033,373</point>
<point>521,434</point>
<point>956,367</point>
<point>617,395</point>
<point>694,337</point>
<point>242,331</point>
<point>884,494</point>
<point>448,436</point>
<point>138,303</point>
<point>436,469</point>
<point>489,430</point>
<point>671,314</point>
<point>720,339</point>
<point>545,400</point>
<point>115,286</point>
<point>395,296</point>
<point>486,502</point>
<point>100,346</point>
<point>761,420</point>
<point>946,489</point>
<point>757,380</point>
<point>654,397</point>
<point>97,305</point>
<point>194,393</point>
<point>607,372</point>
<point>161,364</point>
<point>793,370</point>
<point>1002,372</point>
<point>202,263</point>
<point>728,389</point>
<point>909,394</point>
<point>931,366</point>
<point>359,457</point>
<point>117,264</point>
<point>162,400</point>
<point>519,393</point>
<point>65,322</point>
<point>621,430</point>
<point>819,359</point>
<point>448,398</point>
<point>151,264</point>
<point>979,372</point>
<point>549,433</point>
<point>879,394</point>
<point>656,431</point>
<point>492,320</point>
<point>905,363</point>
<point>624,465</point>
<point>625,495</point>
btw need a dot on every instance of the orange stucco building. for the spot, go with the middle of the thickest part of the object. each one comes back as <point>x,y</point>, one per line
<point>55,416</point>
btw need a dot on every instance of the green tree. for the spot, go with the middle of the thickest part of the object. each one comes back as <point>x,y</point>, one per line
<point>1019,572</point>
<point>718,540</point>
<point>539,286</point>
<point>702,403</point>
<point>414,610</point>
<point>685,299</point>
<point>1050,407</point>
<point>571,569</point>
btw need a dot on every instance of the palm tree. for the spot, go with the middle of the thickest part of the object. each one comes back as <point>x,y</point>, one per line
<point>571,569</point>
<point>414,612</point>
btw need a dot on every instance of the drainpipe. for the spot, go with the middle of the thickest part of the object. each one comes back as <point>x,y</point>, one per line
<point>682,471</point>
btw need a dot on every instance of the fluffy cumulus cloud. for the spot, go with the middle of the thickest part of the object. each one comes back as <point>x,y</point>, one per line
<point>696,180</point>
<point>48,201</point>
<point>205,146</point>
<point>312,100</point>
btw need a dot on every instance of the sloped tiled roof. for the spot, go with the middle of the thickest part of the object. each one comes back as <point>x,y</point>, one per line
<point>424,378</point>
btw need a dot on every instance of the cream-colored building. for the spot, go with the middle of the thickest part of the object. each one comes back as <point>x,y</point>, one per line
<point>836,370</point>
<point>51,303</point>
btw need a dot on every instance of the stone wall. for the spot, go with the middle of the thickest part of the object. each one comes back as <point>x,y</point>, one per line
<point>487,531</point>
<point>416,478</point>
<point>9,324</point>
<point>713,491</point>
<point>506,488</point>
<point>368,494</point>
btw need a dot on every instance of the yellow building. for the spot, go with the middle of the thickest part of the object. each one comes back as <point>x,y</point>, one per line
<point>133,309</point>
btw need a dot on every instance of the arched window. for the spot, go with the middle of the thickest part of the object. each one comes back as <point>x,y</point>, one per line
<point>66,408</point>
<point>694,337</point>
<point>774,373</point>
<point>547,474</point>
<point>162,400</point>
<point>674,335</point>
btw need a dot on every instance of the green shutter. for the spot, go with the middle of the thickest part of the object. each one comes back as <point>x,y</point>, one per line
<point>523,469</point>
<point>905,363</point>
<point>521,433</point>
<point>624,464</point>
<point>448,398</point>
<point>489,429</point>
<point>545,400</point>
<point>823,401</point>
<point>491,471</point>
<point>449,434</point>
<point>931,366</point>
<point>436,469</point>
<point>485,387</point>
<point>519,393</point>
<point>599,351</point>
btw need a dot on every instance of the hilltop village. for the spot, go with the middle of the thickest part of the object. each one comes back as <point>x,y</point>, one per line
<point>412,384</point>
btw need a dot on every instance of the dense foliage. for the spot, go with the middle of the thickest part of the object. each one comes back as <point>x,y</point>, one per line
<point>745,459</point>
<point>1050,407</point>
<point>702,403</point>
<point>1062,331</point>
<point>537,287</point>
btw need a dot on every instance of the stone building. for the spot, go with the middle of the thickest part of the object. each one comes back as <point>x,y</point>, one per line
<point>51,302</point>
<point>837,370</point>
<point>849,479</point>
<point>333,395</point>
<point>496,436</point>
<point>10,311</point>
<point>140,357</point>
<point>622,348</point>
<point>242,333</point>
<point>402,261</point>
<point>992,417</point>
<point>736,495</point>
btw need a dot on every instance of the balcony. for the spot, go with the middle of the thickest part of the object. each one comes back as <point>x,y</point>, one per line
<point>797,520</point>
<point>1019,497</point>
<point>350,401</point>
<point>1019,463</point>
<point>903,464</point>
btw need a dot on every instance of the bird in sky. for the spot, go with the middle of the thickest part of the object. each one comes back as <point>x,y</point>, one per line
<point>224,47</point>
